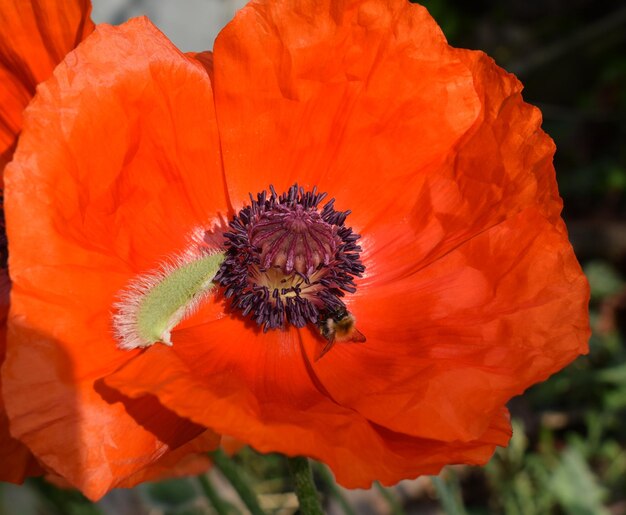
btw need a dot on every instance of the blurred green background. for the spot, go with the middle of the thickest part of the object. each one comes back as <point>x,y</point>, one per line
<point>568,453</point>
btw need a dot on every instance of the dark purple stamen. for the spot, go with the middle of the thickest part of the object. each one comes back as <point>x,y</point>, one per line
<point>287,261</point>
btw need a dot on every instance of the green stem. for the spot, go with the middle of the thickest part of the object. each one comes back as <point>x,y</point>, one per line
<point>449,499</point>
<point>235,476</point>
<point>327,477</point>
<point>216,501</point>
<point>302,477</point>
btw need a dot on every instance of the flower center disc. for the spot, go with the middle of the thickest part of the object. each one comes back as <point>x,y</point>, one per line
<point>288,261</point>
<point>293,239</point>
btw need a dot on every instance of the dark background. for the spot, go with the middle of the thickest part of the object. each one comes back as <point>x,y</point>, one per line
<point>569,453</point>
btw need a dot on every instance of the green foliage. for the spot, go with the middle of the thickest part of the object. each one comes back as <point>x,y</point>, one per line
<point>569,455</point>
<point>449,494</point>
<point>603,279</point>
<point>575,486</point>
<point>62,501</point>
<point>173,492</point>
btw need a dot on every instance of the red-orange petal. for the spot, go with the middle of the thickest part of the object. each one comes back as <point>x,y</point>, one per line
<point>303,108</point>
<point>117,163</point>
<point>93,437</point>
<point>16,461</point>
<point>270,401</point>
<point>36,35</point>
<point>449,345</point>
<point>501,166</point>
<point>190,459</point>
<point>353,97</point>
<point>427,145</point>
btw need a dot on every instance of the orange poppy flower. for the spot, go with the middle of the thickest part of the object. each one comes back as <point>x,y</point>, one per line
<point>35,37</point>
<point>462,281</point>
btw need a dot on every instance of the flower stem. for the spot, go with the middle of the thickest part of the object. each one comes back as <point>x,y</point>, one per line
<point>213,497</point>
<point>235,476</point>
<point>302,477</point>
<point>449,496</point>
<point>325,475</point>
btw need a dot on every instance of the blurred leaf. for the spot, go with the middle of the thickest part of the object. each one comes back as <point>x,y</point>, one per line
<point>616,179</point>
<point>335,491</point>
<point>614,375</point>
<point>212,494</point>
<point>518,444</point>
<point>525,493</point>
<point>193,510</point>
<point>603,279</point>
<point>449,494</point>
<point>172,493</point>
<point>576,487</point>
<point>238,478</point>
<point>64,500</point>
<point>615,458</point>
<point>615,400</point>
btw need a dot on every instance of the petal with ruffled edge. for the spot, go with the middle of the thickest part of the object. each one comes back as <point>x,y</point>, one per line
<point>499,167</point>
<point>36,35</point>
<point>260,390</point>
<point>352,97</point>
<point>16,461</point>
<point>304,93</point>
<point>427,145</point>
<point>449,345</point>
<point>117,164</point>
<point>190,459</point>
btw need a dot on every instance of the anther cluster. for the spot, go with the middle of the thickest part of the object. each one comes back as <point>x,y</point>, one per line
<point>289,260</point>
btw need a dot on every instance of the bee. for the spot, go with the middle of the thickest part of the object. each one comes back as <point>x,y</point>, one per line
<point>338,326</point>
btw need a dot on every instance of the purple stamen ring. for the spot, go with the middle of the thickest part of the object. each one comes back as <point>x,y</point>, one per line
<point>288,260</point>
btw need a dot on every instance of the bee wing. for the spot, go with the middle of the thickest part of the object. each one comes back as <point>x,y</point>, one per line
<point>354,336</point>
<point>326,348</point>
